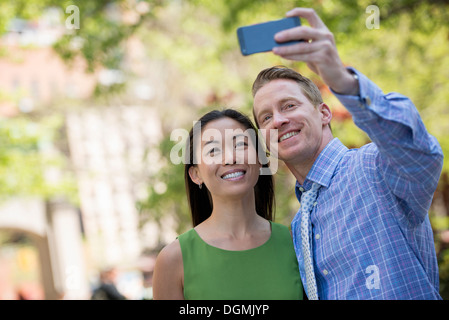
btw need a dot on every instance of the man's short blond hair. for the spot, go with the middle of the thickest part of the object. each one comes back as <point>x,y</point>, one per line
<point>309,88</point>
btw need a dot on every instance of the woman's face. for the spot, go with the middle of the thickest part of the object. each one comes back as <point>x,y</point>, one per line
<point>227,159</point>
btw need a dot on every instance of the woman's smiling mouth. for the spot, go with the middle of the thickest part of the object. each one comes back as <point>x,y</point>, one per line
<point>233,175</point>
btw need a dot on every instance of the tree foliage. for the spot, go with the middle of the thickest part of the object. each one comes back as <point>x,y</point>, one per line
<point>195,42</point>
<point>30,165</point>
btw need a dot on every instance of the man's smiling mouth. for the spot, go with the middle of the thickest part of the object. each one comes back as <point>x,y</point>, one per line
<point>289,135</point>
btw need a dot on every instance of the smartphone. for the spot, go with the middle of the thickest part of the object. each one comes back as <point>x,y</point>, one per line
<point>260,37</point>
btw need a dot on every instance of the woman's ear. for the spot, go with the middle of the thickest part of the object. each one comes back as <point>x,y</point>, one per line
<point>195,175</point>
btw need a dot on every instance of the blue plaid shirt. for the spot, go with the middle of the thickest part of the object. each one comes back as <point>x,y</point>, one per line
<point>371,236</point>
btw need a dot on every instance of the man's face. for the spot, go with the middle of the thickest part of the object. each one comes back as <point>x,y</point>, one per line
<point>280,104</point>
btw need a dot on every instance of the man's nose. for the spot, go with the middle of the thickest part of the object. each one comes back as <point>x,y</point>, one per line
<point>279,120</point>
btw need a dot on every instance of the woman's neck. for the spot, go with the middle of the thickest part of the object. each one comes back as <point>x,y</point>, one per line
<point>236,217</point>
<point>234,225</point>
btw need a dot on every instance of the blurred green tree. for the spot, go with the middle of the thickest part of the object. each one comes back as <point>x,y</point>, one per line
<point>195,40</point>
<point>30,164</point>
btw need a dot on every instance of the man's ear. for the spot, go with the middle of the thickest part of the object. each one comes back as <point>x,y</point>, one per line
<point>326,114</point>
<point>195,175</point>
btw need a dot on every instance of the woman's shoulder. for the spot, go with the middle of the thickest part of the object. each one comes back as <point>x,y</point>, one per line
<point>186,235</point>
<point>171,253</point>
<point>279,227</point>
<point>168,273</point>
<point>281,230</point>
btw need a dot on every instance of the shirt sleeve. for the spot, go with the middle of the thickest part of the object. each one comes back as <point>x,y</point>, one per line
<point>410,159</point>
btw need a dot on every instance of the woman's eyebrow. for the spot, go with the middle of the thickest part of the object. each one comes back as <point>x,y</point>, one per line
<point>239,135</point>
<point>217,142</point>
<point>209,142</point>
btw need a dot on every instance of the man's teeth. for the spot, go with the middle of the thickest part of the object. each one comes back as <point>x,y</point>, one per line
<point>233,175</point>
<point>288,135</point>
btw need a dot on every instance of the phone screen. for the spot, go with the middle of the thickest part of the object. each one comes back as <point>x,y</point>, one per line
<point>260,37</point>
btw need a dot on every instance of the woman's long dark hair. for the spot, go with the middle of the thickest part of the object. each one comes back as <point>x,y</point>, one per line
<point>200,200</point>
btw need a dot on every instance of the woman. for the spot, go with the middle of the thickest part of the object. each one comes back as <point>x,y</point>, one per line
<point>234,250</point>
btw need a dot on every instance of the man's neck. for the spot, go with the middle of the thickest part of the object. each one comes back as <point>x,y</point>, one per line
<point>300,169</point>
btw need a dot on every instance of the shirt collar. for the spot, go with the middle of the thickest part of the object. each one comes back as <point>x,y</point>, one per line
<point>324,166</point>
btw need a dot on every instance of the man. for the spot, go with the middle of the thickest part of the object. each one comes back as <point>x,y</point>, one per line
<point>368,235</point>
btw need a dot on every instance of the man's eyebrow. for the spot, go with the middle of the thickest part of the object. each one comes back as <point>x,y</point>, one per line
<point>267,109</point>
<point>264,110</point>
<point>284,100</point>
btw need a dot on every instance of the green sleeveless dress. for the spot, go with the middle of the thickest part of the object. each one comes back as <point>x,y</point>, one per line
<point>267,272</point>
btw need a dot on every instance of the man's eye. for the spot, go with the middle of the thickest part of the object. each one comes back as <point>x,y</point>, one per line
<point>266,118</point>
<point>288,106</point>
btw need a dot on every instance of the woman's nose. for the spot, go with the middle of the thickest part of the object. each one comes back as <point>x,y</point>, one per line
<point>229,155</point>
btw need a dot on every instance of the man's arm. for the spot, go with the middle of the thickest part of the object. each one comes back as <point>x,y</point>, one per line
<point>410,158</point>
<point>318,50</point>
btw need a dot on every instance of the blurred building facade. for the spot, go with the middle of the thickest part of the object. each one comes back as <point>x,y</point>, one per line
<point>54,228</point>
<point>112,149</point>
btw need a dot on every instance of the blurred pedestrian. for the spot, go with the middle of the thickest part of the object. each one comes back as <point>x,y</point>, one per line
<point>107,290</point>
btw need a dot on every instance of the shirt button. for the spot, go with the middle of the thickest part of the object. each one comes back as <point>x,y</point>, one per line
<point>368,101</point>
<point>315,203</point>
<point>325,272</point>
<point>317,236</point>
<point>301,189</point>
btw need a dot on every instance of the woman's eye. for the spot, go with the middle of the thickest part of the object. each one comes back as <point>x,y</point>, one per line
<point>213,151</point>
<point>241,144</point>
